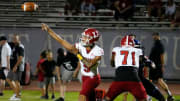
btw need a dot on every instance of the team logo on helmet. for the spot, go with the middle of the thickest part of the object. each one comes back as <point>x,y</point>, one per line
<point>127,41</point>
<point>89,36</point>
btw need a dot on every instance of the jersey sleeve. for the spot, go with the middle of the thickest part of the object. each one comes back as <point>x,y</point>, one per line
<point>11,44</point>
<point>8,51</point>
<point>74,58</point>
<point>21,51</point>
<point>77,46</point>
<point>99,52</point>
<point>161,49</point>
<point>38,64</point>
<point>113,50</point>
<point>59,61</point>
<point>140,52</point>
<point>43,64</point>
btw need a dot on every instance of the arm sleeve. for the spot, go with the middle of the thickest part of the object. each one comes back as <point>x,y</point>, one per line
<point>43,64</point>
<point>114,50</point>
<point>99,52</point>
<point>161,49</point>
<point>75,58</point>
<point>140,52</point>
<point>113,53</point>
<point>8,51</point>
<point>76,45</point>
<point>59,61</point>
<point>38,64</point>
<point>21,51</point>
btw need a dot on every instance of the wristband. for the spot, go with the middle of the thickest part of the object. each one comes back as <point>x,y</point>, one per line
<point>79,56</point>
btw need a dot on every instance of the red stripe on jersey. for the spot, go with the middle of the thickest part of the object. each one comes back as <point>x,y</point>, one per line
<point>113,53</point>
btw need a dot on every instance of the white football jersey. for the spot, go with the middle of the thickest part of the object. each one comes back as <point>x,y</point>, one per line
<point>96,51</point>
<point>127,56</point>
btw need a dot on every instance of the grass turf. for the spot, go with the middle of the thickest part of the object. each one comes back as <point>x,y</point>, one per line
<point>70,96</point>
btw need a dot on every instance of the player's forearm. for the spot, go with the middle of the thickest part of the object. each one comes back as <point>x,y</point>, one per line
<point>63,42</point>
<point>54,35</point>
<point>77,70</point>
<point>89,62</point>
<point>93,62</point>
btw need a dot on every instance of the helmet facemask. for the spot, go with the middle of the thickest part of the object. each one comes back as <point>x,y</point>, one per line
<point>85,40</point>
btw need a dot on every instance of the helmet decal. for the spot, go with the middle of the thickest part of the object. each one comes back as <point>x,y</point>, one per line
<point>92,35</point>
<point>127,41</point>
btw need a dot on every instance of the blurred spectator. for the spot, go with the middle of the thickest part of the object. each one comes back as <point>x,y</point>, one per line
<point>67,68</point>
<point>170,9</point>
<point>100,4</point>
<point>17,61</point>
<point>141,2</point>
<point>123,9</point>
<point>87,7</point>
<point>71,7</point>
<point>40,73</point>
<point>157,55</point>
<point>176,21</point>
<point>5,62</point>
<point>155,8</point>
<point>49,67</point>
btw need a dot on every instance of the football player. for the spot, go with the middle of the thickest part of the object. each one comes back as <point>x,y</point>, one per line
<point>151,89</point>
<point>89,55</point>
<point>126,61</point>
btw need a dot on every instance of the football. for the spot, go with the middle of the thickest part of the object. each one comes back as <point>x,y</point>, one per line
<point>29,7</point>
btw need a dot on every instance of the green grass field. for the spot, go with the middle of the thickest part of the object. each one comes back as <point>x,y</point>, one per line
<point>70,96</point>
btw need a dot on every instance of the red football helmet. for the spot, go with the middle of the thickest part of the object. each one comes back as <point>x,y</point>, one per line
<point>89,36</point>
<point>127,41</point>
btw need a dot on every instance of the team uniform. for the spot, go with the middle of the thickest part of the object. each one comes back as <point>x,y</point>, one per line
<point>90,76</point>
<point>87,51</point>
<point>126,59</point>
<point>151,89</point>
<point>69,63</point>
